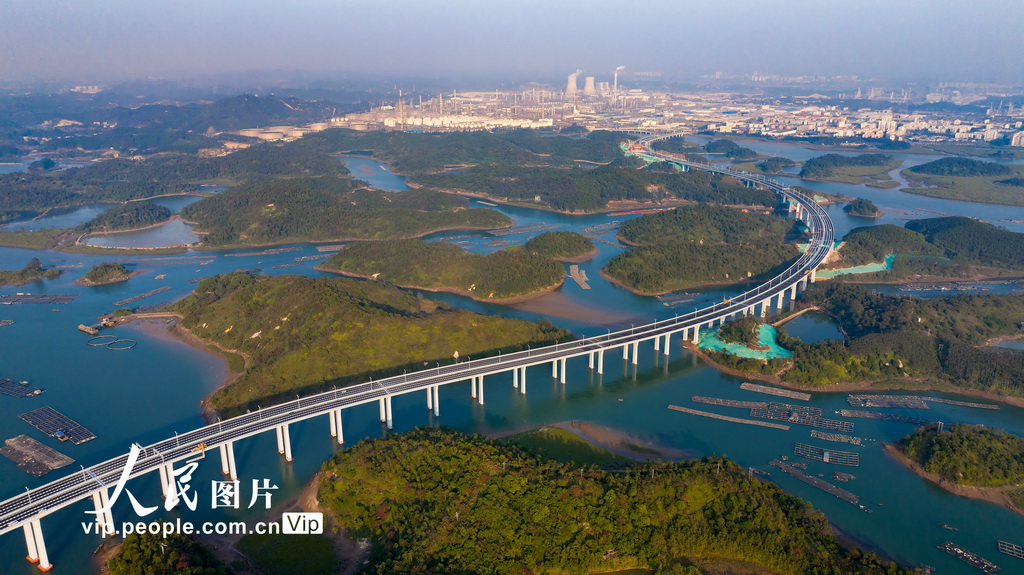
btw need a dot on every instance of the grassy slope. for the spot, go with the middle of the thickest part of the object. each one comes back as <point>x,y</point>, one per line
<point>316,333</point>
<point>980,189</point>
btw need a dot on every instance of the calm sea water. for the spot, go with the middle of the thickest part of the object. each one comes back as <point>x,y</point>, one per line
<point>150,392</point>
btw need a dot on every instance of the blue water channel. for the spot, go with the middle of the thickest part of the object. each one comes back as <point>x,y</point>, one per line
<point>152,391</point>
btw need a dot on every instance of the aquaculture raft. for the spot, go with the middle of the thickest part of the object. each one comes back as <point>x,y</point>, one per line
<point>902,401</point>
<point>141,296</point>
<point>775,391</point>
<point>815,482</point>
<point>839,437</point>
<point>972,559</point>
<point>15,389</point>
<point>1011,549</point>
<point>884,416</point>
<point>56,424</point>
<point>33,457</point>
<point>800,415</point>
<point>849,458</point>
<point>41,298</point>
<point>727,418</point>
<point>727,402</point>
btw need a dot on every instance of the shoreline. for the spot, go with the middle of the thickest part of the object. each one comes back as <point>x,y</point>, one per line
<point>995,495</point>
<point>635,291</point>
<point>580,258</point>
<point>606,438</point>
<point>456,291</point>
<point>89,283</point>
<point>910,384</point>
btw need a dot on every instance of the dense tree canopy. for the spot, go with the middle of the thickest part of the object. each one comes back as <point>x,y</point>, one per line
<point>968,454</point>
<point>825,166</point>
<point>958,166</point>
<point>127,216</point>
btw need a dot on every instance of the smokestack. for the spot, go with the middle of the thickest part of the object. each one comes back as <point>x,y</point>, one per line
<point>588,87</point>
<point>616,87</point>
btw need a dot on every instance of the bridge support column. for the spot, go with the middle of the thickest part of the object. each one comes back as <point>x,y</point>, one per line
<point>563,370</point>
<point>383,415</point>
<point>590,360</point>
<point>104,519</point>
<point>430,398</point>
<point>814,275</point>
<point>334,423</point>
<point>554,369</point>
<point>336,417</point>
<point>37,549</point>
<point>600,361</point>
<point>522,381</point>
<point>657,344</point>
<point>286,435</point>
<point>792,293</point>
<point>515,378</point>
<point>480,391</point>
<point>437,400</point>
<point>163,482</point>
<point>224,459</point>
<point>280,440</point>
<point>387,410</point>
<point>636,352</point>
<point>232,471</point>
<point>30,543</point>
<point>472,387</point>
<point>108,517</point>
<point>696,335</point>
<point>782,298</point>
<point>625,351</point>
<point>668,343</point>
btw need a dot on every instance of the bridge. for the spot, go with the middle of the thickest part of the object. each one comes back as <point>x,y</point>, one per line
<point>26,510</point>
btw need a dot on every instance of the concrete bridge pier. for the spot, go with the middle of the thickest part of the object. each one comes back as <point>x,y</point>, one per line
<point>336,426</point>
<point>554,369</point>
<point>224,459</point>
<point>600,361</point>
<point>387,412</point>
<point>430,398</point>
<point>590,360</point>
<point>657,343</point>
<point>625,351</point>
<point>480,390</point>
<point>164,480</point>
<point>561,378</point>
<point>522,380</point>
<point>280,440</point>
<point>668,343</point>
<point>437,400</point>
<point>814,274</point>
<point>380,408</point>
<point>782,298</point>
<point>515,378</point>
<point>792,293</point>
<point>636,352</point>
<point>104,519</point>
<point>286,439</point>
<point>36,546</point>
<point>472,388</point>
<point>232,472</point>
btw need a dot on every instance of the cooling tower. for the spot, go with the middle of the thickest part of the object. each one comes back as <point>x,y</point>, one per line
<point>588,87</point>
<point>570,85</point>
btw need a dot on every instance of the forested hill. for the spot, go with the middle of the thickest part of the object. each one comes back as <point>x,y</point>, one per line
<point>329,208</point>
<point>438,265</point>
<point>961,167</point>
<point>301,335</point>
<point>968,454</point>
<point>436,501</point>
<point>705,224</point>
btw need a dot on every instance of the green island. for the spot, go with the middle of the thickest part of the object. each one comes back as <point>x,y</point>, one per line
<point>105,273</point>
<point>970,180</point>
<point>291,346</point>
<point>934,248</point>
<point>32,271</point>
<point>745,331</point>
<point>438,501</point>
<point>773,166</point>
<point>729,149</point>
<point>973,456</point>
<point>175,554</point>
<point>500,275</point>
<point>871,169</point>
<point>896,338</point>
<point>863,208</point>
<point>328,208</point>
<point>129,216</point>
<point>563,246</point>
<point>697,245</point>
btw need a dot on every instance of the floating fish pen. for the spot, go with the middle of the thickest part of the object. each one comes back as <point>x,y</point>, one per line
<point>775,391</point>
<point>33,457</point>
<point>843,477</point>
<point>900,401</point>
<point>815,482</point>
<point>727,418</point>
<point>601,227</point>
<point>960,403</point>
<point>675,296</point>
<point>18,389</point>
<point>728,402</point>
<point>142,296</point>
<point>972,559</point>
<point>49,299</point>
<point>837,437</point>
<point>101,340</point>
<point>6,322</point>
<point>848,458</point>
<point>122,344</point>
<point>803,409</point>
<point>286,265</point>
<point>56,424</point>
<point>1011,549</point>
<point>800,418</point>
<point>311,258</point>
<point>269,252</point>
<point>884,416</point>
<point>524,229</point>
<point>331,248</point>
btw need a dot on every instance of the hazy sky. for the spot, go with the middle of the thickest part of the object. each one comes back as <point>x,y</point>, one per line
<point>924,39</point>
